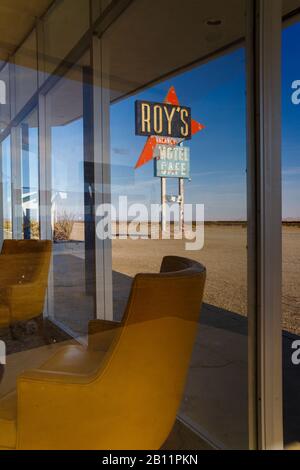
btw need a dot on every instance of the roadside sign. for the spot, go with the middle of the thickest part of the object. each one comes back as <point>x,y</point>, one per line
<point>162,119</point>
<point>167,125</point>
<point>168,121</point>
<point>172,162</point>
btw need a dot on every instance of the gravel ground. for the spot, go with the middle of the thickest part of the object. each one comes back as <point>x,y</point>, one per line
<point>225,256</point>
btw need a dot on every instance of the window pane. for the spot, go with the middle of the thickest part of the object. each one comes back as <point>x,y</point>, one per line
<point>73,255</point>
<point>215,402</point>
<point>176,180</point>
<point>6,188</point>
<point>26,71</point>
<point>30,176</point>
<point>4,97</point>
<point>63,28</point>
<point>291,227</point>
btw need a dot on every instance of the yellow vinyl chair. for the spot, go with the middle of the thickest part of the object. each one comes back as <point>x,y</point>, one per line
<point>24,267</point>
<point>124,394</point>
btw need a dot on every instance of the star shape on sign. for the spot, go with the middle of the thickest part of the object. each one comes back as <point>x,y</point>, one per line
<point>148,150</point>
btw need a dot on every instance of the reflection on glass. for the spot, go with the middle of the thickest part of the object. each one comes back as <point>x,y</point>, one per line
<point>4,98</point>
<point>26,76</point>
<point>73,256</point>
<point>30,176</point>
<point>64,26</point>
<point>6,188</point>
<point>162,341</point>
<point>291,232</point>
<point>215,402</point>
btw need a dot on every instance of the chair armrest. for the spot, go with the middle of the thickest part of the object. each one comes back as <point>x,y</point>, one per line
<point>102,333</point>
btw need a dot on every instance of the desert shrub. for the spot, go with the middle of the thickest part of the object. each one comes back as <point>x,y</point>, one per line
<point>7,225</point>
<point>63,227</point>
<point>35,229</point>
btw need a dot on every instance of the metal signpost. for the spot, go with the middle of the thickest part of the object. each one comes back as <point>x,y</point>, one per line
<point>172,161</point>
<point>163,203</point>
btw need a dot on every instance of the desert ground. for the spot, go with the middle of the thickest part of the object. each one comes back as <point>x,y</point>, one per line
<point>225,257</point>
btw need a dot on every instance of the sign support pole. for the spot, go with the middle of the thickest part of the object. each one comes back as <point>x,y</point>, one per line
<point>181,204</point>
<point>163,203</point>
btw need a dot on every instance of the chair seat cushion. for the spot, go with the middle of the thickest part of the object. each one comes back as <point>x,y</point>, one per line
<point>8,419</point>
<point>74,359</point>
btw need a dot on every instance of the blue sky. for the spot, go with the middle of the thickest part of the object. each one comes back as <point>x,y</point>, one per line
<point>216,92</point>
<point>218,153</point>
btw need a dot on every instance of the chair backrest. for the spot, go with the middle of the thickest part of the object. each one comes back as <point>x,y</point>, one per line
<point>145,368</point>
<point>29,259</point>
<point>26,262</point>
<point>14,247</point>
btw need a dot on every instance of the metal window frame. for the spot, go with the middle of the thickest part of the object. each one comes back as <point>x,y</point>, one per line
<point>101,149</point>
<point>265,226</point>
<point>17,216</point>
<point>1,198</point>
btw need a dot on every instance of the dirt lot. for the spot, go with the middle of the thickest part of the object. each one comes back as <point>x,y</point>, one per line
<point>225,256</point>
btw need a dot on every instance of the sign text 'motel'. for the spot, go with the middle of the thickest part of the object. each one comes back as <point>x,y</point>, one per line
<point>172,162</point>
<point>162,119</point>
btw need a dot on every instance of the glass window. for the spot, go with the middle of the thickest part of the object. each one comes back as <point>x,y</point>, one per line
<point>291,229</point>
<point>215,402</point>
<point>138,166</point>
<point>26,71</point>
<point>64,26</point>
<point>73,251</point>
<point>30,176</point>
<point>4,97</point>
<point>6,210</point>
